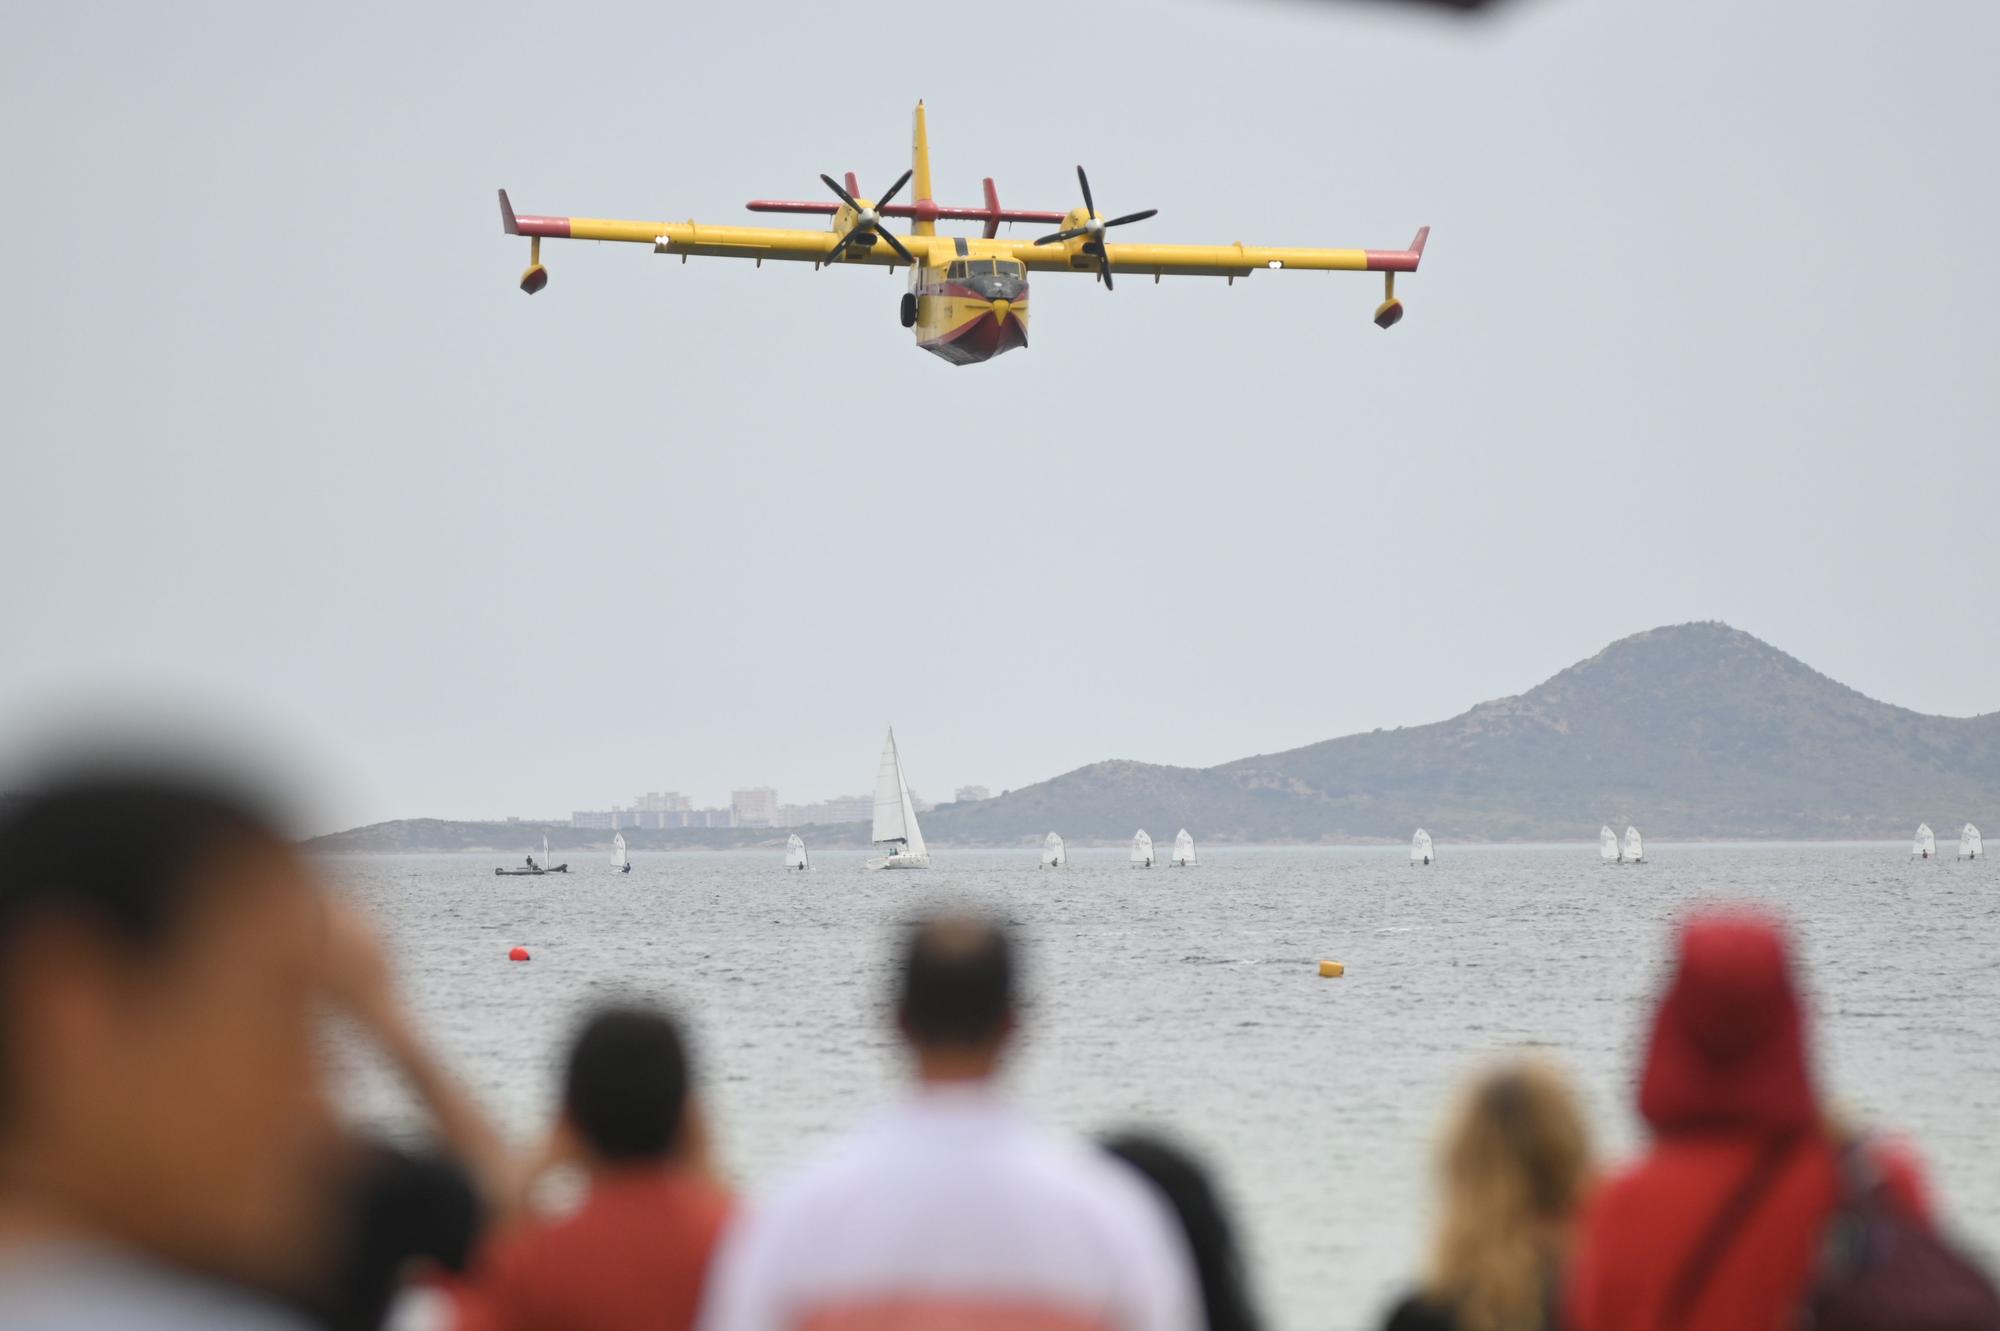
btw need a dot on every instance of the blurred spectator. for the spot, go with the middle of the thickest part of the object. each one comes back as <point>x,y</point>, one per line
<point>1218,1262</point>
<point>953,1209</point>
<point>1720,1225</point>
<point>1515,1164</point>
<point>636,1253</point>
<point>402,1214</point>
<point>166,1153</point>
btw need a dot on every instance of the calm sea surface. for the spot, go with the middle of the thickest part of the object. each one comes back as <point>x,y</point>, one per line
<point>1190,1000</point>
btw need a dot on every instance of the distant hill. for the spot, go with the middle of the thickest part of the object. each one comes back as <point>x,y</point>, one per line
<point>1698,731</point>
<point>1694,731</point>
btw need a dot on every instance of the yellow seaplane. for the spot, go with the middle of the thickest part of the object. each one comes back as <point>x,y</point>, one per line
<point>968,296</point>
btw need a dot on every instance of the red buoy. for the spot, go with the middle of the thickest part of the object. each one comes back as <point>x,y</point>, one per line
<point>518,954</point>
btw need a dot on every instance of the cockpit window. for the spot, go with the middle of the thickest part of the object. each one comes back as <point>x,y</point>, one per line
<point>956,269</point>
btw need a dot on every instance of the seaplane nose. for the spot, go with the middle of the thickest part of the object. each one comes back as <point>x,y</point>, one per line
<point>1002,308</point>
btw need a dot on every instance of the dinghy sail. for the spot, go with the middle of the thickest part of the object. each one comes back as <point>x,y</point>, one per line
<point>1420,847</point>
<point>530,868</point>
<point>1970,846</point>
<point>1183,849</point>
<point>1926,847</point>
<point>1052,852</point>
<point>1607,843</point>
<point>795,853</point>
<point>895,817</point>
<point>1635,849</point>
<point>620,861</point>
<point>1142,850</point>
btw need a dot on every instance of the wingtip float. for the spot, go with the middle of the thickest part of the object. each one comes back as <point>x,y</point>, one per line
<point>967,296</point>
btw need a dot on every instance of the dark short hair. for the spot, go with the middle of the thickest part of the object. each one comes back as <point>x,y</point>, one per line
<point>957,981</point>
<point>1185,1186</point>
<point>626,1087</point>
<point>115,850</point>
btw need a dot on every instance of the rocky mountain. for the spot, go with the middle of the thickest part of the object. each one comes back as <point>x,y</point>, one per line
<point>1697,731</point>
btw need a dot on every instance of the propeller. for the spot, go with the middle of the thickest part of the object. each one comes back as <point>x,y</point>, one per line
<point>1093,228</point>
<point>867,221</point>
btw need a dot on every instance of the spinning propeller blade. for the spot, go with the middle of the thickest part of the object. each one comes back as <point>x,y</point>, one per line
<point>1093,228</point>
<point>867,221</point>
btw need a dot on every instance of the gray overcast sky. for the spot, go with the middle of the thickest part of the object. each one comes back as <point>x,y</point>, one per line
<point>1705,330</point>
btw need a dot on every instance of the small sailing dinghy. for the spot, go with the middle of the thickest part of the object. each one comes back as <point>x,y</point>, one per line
<point>1970,847</point>
<point>1052,852</point>
<point>895,816</point>
<point>1926,846</point>
<point>620,861</point>
<point>1420,847</point>
<point>1142,850</point>
<point>1183,849</point>
<point>1635,849</point>
<point>1607,844</point>
<point>795,853</point>
<point>530,869</point>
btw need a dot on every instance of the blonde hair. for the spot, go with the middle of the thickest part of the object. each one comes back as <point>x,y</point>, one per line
<point>1515,1163</point>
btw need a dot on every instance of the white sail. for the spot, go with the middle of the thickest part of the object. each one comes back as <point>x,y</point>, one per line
<point>1420,847</point>
<point>1607,843</point>
<point>618,857</point>
<point>1635,849</point>
<point>1183,848</point>
<point>1052,852</point>
<point>1926,847</point>
<point>1970,846</point>
<point>795,853</point>
<point>1142,849</point>
<point>895,817</point>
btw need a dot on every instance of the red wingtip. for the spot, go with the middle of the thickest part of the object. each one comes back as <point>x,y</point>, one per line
<point>507,222</point>
<point>1417,245</point>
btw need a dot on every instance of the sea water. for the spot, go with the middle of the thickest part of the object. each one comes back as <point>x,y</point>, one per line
<point>1189,1000</point>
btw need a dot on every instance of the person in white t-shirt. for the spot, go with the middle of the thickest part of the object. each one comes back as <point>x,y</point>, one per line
<point>953,1209</point>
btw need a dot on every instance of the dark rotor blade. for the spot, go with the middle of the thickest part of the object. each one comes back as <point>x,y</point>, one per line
<point>839,247</point>
<point>897,246</point>
<point>1104,271</point>
<point>901,181</point>
<point>836,187</point>
<point>1084,181</point>
<point>1133,217</point>
<point>1059,236</point>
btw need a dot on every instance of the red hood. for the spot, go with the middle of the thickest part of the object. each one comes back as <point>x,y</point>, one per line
<point>1728,1048</point>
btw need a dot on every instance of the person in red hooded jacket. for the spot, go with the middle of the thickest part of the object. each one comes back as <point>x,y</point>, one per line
<point>1720,1224</point>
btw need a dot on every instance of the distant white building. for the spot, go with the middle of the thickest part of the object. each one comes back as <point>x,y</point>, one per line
<point>972,794</point>
<point>755,807</point>
<point>840,809</point>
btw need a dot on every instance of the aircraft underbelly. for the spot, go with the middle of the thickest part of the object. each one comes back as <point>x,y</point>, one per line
<point>965,331</point>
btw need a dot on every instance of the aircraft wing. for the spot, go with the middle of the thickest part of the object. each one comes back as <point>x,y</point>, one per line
<point>720,242</point>
<point>1231,261</point>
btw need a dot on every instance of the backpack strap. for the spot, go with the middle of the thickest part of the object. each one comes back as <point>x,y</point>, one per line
<point>1736,1209</point>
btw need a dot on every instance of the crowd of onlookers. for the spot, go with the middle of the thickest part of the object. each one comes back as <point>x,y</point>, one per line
<point>170,1158</point>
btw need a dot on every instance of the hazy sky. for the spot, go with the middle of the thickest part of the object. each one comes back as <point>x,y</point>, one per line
<point>1705,330</point>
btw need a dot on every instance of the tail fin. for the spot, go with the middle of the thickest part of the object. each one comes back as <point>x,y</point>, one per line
<point>920,167</point>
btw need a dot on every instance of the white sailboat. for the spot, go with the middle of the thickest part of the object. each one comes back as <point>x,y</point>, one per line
<point>1183,849</point>
<point>1607,844</point>
<point>795,853</point>
<point>1635,849</point>
<point>1052,852</point>
<point>620,861</point>
<point>1142,850</point>
<point>1970,846</point>
<point>1926,846</point>
<point>1420,847</point>
<point>895,816</point>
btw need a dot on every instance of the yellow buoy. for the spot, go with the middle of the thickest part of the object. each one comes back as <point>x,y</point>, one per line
<point>1331,970</point>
